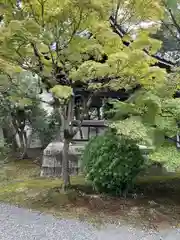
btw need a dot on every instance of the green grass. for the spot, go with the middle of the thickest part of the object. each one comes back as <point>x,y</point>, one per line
<point>21,185</point>
<point>22,177</point>
<point>157,179</point>
<point>18,175</point>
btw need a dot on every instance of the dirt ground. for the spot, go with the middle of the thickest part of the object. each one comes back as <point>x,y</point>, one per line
<point>154,202</point>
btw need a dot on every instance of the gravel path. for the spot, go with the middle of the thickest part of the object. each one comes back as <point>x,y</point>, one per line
<point>20,224</point>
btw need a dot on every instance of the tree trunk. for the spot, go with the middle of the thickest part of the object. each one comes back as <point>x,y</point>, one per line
<point>23,144</point>
<point>67,115</point>
<point>65,164</point>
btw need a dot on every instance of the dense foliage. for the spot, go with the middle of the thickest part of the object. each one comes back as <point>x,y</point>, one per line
<point>152,119</point>
<point>21,108</point>
<point>67,43</point>
<point>168,155</point>
<point>18,95</point>
<point>148,117</point>
<point>46,126</point>
<point>112,163</point>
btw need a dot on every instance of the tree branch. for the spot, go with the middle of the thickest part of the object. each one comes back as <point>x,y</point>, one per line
<point>50,51</point>
<point>42,3</point>
<point>32,10</point>
<point>170,30</point>
<point>174,20</point>
<point>76,27</point>
<point>37,55</point>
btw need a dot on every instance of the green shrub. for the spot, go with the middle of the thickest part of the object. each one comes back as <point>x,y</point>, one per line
<point>168,155</point>
<point>111,163</point>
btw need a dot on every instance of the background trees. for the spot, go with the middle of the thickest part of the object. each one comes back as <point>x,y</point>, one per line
<point>16,90</point>
<point>169,31</point>
<point>21,114</point>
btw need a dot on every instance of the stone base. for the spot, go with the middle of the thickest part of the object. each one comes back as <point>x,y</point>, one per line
<point>57,172</point>
<point>52,160</point>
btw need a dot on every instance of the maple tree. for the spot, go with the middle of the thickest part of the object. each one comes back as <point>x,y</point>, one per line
<point>148,117</point>
<point>67,42</point>
<point>151,118</point>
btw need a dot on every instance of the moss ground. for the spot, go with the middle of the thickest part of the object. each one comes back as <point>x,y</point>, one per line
<point>155,201</point>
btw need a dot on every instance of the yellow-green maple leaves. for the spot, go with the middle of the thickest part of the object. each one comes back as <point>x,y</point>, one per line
<point>133,128</point>
<point>90,70</point>
<point>147,118</point>
<point>33,29</point>
<point>62,92</point>
<point>168,155</point>
<point>132,66</point>
<point>143,41</point>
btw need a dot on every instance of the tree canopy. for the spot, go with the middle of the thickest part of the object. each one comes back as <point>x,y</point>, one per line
<point>67,42</point>
<point>50,43</point>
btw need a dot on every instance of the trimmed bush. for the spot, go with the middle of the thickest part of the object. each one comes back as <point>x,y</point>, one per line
<point>112,163</point>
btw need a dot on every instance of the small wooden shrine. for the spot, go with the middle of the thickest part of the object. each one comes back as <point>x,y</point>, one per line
<point>52,156</point>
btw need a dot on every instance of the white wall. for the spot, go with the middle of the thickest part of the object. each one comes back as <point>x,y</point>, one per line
<point>46,97</point>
